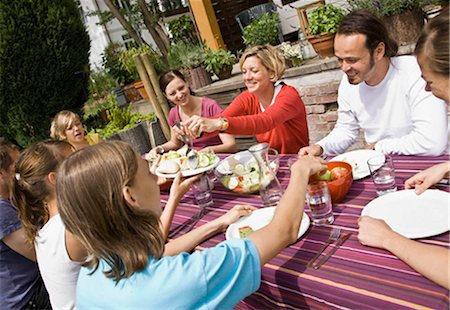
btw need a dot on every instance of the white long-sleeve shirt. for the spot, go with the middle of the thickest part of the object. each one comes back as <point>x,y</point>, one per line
<point>397,114</point>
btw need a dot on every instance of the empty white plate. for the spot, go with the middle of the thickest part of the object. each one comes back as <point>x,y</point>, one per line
<point>411,215</point>
<point>358,160</point>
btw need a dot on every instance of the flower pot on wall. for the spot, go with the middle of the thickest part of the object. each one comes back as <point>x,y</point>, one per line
<point>131,93</point>
<point>323,44</point>
<point>405,27</point>
<point>137,137</point>
<point>225,73</point>
<point>199,78</point>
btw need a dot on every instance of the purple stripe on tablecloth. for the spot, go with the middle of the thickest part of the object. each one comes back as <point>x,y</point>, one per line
<point>354,277</point>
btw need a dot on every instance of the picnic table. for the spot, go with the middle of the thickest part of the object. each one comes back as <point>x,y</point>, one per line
<point>355,277</point>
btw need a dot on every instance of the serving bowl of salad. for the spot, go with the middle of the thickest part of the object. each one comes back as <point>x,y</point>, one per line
<point>240,172</point>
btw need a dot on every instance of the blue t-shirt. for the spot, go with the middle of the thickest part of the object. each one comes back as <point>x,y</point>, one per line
<point>217,277</point>
<point>18,275</point>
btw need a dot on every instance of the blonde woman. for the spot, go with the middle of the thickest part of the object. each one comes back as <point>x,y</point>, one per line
<point>67,126</point>
<point>127,267</point>
<point>269,109</point>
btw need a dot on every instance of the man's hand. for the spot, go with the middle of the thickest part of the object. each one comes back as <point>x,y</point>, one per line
<point>196,125</point>
<point>315,150</point>
<point>426,178</point>
<point>373,232</point>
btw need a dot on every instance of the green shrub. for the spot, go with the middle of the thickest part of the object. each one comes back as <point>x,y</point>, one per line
<point>185,56</point>
<point>262,30</point>
<point>127,62</point>
<point>182,29</point>
<point>114,66</point>
<point>325,18</point>
<point>389,7</point>
<point>218,60</point>
<point>44,50</point>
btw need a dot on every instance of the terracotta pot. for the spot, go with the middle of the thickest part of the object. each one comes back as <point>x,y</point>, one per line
<point>199,78</point>
<point>405,28</point>
<point>103,116</point>
<point>323,44</point>
<point>140,87</point>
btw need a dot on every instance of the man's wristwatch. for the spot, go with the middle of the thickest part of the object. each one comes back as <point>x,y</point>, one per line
<point>223,124</point>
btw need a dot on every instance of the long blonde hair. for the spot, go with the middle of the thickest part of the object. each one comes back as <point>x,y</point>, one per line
<point>30,191</point>
<point>63,120</point>
<point>269,56</point>
<point>92,207</point>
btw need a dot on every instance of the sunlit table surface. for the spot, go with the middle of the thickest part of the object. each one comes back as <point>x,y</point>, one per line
<point>355,277</point>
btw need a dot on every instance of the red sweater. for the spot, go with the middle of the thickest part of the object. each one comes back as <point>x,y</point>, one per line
<point>283,124</point>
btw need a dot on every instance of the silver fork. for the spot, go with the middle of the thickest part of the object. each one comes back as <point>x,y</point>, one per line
<point>335,233</point>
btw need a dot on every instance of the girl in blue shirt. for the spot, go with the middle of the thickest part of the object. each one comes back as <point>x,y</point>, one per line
<point>110,201</point>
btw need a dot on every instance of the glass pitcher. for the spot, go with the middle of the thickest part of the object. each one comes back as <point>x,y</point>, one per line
<point>269,188</point>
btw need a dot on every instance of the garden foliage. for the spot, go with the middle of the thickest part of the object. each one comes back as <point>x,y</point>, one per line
<point>44,50</point>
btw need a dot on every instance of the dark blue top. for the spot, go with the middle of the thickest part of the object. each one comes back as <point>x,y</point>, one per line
<point>18,275</point>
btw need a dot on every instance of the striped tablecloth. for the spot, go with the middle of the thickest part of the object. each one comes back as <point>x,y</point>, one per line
<point>355,277</point>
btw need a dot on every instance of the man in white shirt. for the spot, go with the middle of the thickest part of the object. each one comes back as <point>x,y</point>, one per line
<point>382,94</point>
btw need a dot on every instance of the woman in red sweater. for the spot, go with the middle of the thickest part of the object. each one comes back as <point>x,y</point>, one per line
<point>268,109</point>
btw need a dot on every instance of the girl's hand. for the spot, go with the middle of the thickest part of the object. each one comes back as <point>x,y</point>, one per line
<point>373,232</point>
<point>234,214</point>
<point>181,185</point>
<point>308,164</point>
<point>426,178</point>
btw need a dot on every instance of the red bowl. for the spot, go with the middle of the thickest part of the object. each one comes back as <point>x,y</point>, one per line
<point>340,187</point>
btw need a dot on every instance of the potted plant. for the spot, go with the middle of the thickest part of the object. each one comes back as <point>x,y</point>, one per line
<point>127,126</point>
<point>403,18</point>
<point>292,54</point>
<point>219,62</point>
<point>189,58</point>
<point>319,22</point>
<point>262,30</point>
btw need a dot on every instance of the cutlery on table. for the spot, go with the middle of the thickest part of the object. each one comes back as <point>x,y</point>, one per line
<point>340,242</point>
<point>334,235</point>
<point>191,222</point>
<point>192,156</point>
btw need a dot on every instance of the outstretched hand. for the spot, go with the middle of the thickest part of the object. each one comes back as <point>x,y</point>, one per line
<point>309,164</point>
<point>426,178</point>
<point>315,150</point>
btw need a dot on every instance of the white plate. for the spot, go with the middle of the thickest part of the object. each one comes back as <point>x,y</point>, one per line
<point>189,172</point>
<point>358,159</point>
<point>411,215</point>
<point>258,219</point>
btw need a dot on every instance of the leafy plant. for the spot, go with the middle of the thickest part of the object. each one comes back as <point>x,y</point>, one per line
<point>389,7</point>
<point>218,60</point>
<point>292,53</point>
<point>121,119</point>
<point>127,62</point>
<point>262,30</point>
<point>44,57</point>
<point>185,56</point>
<point>182,29</point>
<point>113,65</point>
<point>93,107</point>
<point>325,18</point>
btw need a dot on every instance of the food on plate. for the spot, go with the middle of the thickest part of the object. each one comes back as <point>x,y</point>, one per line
<point>245,231</point>
<point>244,177</point>
<point>168,167</point>
<point>179,158</point>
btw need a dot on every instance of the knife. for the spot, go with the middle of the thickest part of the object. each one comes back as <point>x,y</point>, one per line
<point>340,242</point>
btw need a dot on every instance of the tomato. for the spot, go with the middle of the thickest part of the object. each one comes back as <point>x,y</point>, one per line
<point>338,172</point>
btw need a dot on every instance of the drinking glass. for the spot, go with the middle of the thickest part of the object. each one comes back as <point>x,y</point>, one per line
<point>274,159</point>
<point>202,192</point>
<point>318,200</point>
<point>383,174</point>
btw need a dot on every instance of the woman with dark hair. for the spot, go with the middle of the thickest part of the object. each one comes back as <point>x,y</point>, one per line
<point>177,91</point>
<point>432,50</point>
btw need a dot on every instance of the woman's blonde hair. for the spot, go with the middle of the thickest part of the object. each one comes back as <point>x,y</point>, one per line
<point>30,191</point>
<point>89,195</point>
<point>433,43</point>
<point>63,120</point>
<point>269,56</point>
